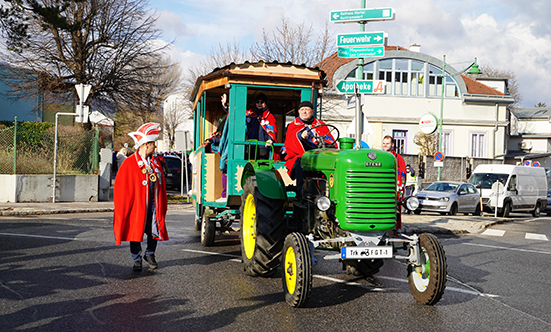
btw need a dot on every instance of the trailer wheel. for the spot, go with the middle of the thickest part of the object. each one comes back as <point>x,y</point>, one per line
<point>207,231</point>
<point>198,221</point>
<point>297,270</point>
<point>428,280</point>
<point>262,230</point>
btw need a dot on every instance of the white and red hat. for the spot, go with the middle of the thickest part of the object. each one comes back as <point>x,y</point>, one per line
<point>148,132</point>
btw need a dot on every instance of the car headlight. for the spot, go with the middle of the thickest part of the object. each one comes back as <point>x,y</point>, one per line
<point>444,199</point>
<point>323,203</point>
<point>412,203</point>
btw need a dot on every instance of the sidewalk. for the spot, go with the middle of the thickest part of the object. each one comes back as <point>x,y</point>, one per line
<point>432,223</point>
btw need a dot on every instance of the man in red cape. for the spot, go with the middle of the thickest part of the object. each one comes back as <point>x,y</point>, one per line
<point>261,126</point>
<point>301,137</point>
<point>140,198</point>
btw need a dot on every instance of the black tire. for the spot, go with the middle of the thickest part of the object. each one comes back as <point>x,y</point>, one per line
<point>537,210</point>
<point>506,210</point>
<point>453,209</point>
<point>262,230</point>
<point>297,270</point>
<point>427,282</point>
<point>198,219</point>
<point>477,211</point>
<point>417,212</point>
<point>363,267</point>
<point>208,228</point>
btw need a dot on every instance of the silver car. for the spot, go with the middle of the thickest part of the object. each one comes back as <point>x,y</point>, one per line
<point>450,198</point>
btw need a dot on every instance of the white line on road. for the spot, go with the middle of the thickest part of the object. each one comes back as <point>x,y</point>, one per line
<point>40,236</point>
<point>534,236</point>
<point>340,281</point>
<point>507,248</point>
<point>493,232</point>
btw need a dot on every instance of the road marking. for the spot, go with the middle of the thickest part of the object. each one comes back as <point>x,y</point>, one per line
<point>349,283</point>
<point>493,232</point>
<point>507,248</point>
<point>40,236</point>
<point>534,236</point>
<point>454,289</point>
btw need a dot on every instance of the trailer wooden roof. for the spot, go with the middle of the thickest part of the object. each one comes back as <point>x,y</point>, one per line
<point>260,73</point>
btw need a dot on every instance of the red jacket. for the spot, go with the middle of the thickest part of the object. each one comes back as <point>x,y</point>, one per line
<point>131,195</point>
<point>267,122</point>
<point>293,145</point>
<point>401,174</point>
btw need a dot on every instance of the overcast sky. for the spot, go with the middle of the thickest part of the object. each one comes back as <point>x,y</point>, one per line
<point>505,34</point>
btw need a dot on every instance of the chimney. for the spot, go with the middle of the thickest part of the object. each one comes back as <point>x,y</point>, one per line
<point>415,48</point>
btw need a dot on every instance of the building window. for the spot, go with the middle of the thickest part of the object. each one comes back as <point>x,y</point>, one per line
<point>446,143</point>
<point>478,141</point>
<point>400,139</point>
<point>409,77</point>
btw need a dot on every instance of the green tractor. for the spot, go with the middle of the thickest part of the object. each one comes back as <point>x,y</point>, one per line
<point>348,206</point>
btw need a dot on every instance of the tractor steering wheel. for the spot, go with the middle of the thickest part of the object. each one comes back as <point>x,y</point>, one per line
<point>333,131</point>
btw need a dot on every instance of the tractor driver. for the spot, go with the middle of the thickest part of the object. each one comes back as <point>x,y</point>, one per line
<point>302,136</point>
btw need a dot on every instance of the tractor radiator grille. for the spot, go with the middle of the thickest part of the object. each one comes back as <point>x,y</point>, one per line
<point>370,198</point>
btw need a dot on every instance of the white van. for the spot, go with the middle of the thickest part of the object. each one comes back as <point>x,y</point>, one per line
<point>524,188</point>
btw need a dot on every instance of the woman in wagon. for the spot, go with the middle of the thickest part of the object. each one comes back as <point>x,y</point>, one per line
<point>261,126</point>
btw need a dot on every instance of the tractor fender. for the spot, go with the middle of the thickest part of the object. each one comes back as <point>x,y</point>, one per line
<point>268,179</point>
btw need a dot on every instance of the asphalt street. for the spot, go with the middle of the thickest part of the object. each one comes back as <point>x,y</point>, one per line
<point>64,272</point>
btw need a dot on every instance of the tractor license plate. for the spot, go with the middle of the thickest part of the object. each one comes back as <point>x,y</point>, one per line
<point>366,252</point>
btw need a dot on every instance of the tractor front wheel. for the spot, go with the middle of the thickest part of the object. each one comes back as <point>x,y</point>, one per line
<point>427,281</point>
<point>262,230</point>
<point>296,270</point>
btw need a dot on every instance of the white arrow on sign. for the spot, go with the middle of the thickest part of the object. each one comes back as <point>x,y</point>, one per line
<point>335,16</point>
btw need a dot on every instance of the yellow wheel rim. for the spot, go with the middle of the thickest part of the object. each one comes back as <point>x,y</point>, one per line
<point>249,226</point>
<point>290,270</point>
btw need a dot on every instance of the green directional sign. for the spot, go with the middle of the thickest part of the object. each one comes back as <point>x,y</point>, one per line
<point>360,39</point>
<point>349,86</point>
<point>359,15</point>
<point>361,52</point>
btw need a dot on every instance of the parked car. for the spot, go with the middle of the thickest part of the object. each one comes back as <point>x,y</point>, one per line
<point>450,198</point>
<point>174,174</point>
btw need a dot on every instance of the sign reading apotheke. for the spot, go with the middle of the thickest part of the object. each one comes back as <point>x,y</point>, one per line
<point>428,123</point>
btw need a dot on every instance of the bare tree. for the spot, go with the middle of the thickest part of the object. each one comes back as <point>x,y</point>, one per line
<point>176,114</point>
<point>540,104</point>
<point>294,43</point>
<point>427,143</point>
<point>513,86</point>
<point>53,44</point>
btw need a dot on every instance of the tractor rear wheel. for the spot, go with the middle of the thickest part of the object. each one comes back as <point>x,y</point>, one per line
<point>262,230</point>
<point>297,270</point>
<point>427,281</point>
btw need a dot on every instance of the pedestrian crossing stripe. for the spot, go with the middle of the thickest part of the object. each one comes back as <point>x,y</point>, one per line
<point>493,232</point>
<point>533,236</point>
<point>527,236</point>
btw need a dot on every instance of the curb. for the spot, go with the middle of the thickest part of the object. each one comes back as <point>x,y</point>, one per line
<point>40,212</point>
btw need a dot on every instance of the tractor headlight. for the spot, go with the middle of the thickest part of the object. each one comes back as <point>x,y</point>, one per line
<point>412,203</point>
<point>323,203</point>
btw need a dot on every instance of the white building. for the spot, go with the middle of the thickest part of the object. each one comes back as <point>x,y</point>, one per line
<point>530,139</point>
<point>475,115</point>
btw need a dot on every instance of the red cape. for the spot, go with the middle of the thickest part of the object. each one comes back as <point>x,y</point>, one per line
<point>293,145</point>
<point>401,175</point>
<point>130,198</point>
<point>267,122</point>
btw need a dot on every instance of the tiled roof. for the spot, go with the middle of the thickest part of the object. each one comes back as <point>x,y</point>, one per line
<point>330,64</point>
<point>477,88</point>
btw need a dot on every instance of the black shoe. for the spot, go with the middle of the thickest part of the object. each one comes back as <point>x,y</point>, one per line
<point>137,266</point>
<point>151,261</point>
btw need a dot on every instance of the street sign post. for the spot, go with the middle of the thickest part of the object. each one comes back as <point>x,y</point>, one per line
<point>361,15</point>
<point>348,86</point>
<point>361,52</point>
<point>360,39</point>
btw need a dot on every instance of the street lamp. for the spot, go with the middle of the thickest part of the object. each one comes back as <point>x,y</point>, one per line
<point>474,71</point>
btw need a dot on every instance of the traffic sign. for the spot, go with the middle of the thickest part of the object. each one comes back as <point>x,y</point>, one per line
<point>438,156</point>
<point>360,38</point>
<point>536,164</point>
<point>361,52</point>
<point>360,15</point>
<point>348,86</point>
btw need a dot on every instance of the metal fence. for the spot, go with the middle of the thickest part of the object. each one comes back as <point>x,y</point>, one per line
<point>27,151</point>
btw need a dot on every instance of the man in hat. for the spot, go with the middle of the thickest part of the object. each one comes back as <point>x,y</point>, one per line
<point>301,137</point>
<point>140,198</point>
<point>261,126</point>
